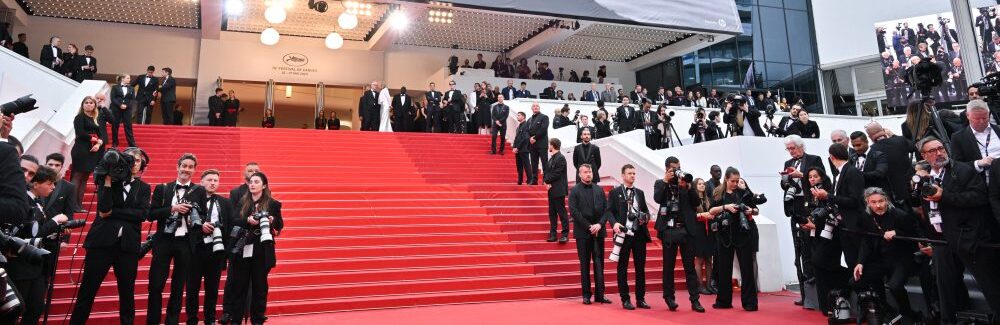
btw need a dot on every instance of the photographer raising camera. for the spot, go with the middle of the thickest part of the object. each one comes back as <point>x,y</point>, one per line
<point>676,225</point>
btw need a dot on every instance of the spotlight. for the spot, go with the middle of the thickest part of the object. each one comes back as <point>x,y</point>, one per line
<point>234,7</point>
<point>399,20</point>
<point>334,41</point>
<point>318,5</point>
<point>275,14</point>
<point>347,21</point>
<point>269,36</point>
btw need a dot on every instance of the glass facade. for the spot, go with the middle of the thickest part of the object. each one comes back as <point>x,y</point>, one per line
<point>778,46</point>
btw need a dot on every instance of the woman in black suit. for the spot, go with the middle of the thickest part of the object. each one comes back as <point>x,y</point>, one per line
<point>89,145</point>
<point>253,269</point>
<point>735,240</point>
<point>72,63</point>
<point>121,109</point>
<point>602,125</point>
<point>804,127</point>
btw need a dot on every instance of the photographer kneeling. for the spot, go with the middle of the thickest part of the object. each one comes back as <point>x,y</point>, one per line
<point>884,261</point>
<point>732,211</point>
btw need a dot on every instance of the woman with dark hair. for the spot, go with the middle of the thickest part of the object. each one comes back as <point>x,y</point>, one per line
<point>704,239</point>
<point>89,145</point>
<point>257,259</point>
<point>72,63</point>
<point>419,121</point>
<point>828,276</point>
<point>735,238</point>
<point>268,121</point>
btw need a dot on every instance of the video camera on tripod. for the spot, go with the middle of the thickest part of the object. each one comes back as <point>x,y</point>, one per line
<point>989,90</point>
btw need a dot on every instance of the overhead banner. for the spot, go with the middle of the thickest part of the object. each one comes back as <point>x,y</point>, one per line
<point>712,16</point>
<point>903,42</point>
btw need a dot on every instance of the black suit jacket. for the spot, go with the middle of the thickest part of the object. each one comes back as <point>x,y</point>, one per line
<point>401,109</point>
<point>168,90</point>
<point>538,127</point>
<point>22,49</point>
<point>13,198</point>
<point>582,220</point>
<point>456,101</point>
<point>752,117</point>
<point>809,130</point>
<point>368,106</point>
<point>689,203</point>
<point>965,147</point>
<point>848,194</point>
<point>145,91</point>
<point>274,209</point>
<point>555,175</point>
<point>236,195</point>
<point>875,168</point>
<point>127,214</point>
<point>46,58</point>
<point>626,123</point>
<point>711,132</point>
<point>160,206</point>
<point>21,268</point>
<point>878,250</point>
<point>521,138</point>
<point>963,207</point>
<point>88,74</point>
<point>226,215</point>
<point>499,113</point>
<point>617,211</point>
<point>62,200</point>
<point>215,106</point>
<point>118,97</point>
<point>896,150</point>
<point>591,155</point>
<point>640,120</point>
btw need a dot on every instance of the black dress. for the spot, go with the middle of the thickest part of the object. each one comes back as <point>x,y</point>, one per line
<point>84,161</point>
<point>71,66</point>
<point>603,129</point>
<point>704,238</point>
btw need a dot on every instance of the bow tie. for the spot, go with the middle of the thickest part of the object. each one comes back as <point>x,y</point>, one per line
<point>38,201</point>
<point>182,187</point>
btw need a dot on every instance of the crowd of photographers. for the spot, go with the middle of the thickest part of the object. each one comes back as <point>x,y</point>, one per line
<point>199,234</point>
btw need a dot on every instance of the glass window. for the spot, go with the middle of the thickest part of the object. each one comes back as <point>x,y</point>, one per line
<point>759,73</point>
<point>671,76</point>
<point>773,34</point>
<point>800,42</point>
<point>758,45</point>
<point>724,50</point>
<point>796,4</point>
<point>689,74</point>
<point>805,78</point>
<point>779,75</point>
<point>869,78</point>
<point>744,46</point>
<point>772,3</point>
<point>725,72</point>
<point>651,77</point>
<point>705,71</point>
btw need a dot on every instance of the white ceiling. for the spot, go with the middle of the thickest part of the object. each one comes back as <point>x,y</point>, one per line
<point>473,30</point>
<point>172,13</point>
<point>607,42</point>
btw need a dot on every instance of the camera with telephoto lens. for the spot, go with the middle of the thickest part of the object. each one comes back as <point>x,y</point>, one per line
<point>265,226</point>
<point>21,105</point>
<point>175,219</point>
<point>923,186</point>
<point>680,174</point>
<point>616,251</point>
<point>831,214</point>
<point>147,245</point>
<point>10,300</point>
<point>727,220</point>
<point>216,238</point>
<point>240,235</point>
<point>791,187</point>
<point>638,220</point>
<point>21,248</point>
<point>116,165</point>
<point>73,224</point>
<point>770,110</point>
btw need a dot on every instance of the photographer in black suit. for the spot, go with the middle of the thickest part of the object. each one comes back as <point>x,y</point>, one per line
<point>738,114</point>
<point>588,205</point>
<point>206,263</point>
<point>896,150</point>
<point>848,191</point>
<point>145,97</point>
<point>30,278</point>
<point>586,153</point>
<point>113,241</point>
<point>872,163</point>
<point>63,198</point>
<point>555,180</point>
<point>957,209</point>
<point>733,216</point>
<point>676,225</point>
<point>629,216</point>
<point>979,143</point>
<point>498,114</point>
<point>538,139</point>
<point>168,96</point>
<point>794,182</point>
<point>520,147</point>
<point>173,206</point>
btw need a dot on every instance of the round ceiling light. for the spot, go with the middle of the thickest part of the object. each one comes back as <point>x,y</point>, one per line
<point>269,36</point>
<point>347,21</point>
<point>334,41</point>
<point>275,14</point>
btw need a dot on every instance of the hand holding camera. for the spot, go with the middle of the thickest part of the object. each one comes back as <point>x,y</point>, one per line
<point>619,228</point>
<point>181,208</point>
<point>820,194</point>
<point>207,228</point>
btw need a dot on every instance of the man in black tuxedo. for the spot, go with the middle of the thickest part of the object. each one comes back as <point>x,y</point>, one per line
<point>958,210</point>
<point>62,200</point>
<point>636,95</point>
<point>402,110</point>
<point>740,116</point>
<point>538,139</point>
<point>848,195</point>
<point>676,226</point>
<point>796,169</point>
<point>872,163</point>
<point>896,150</point>
<point>588,206</point>
<point>206,263</point>
<point>555,180</point>
<point>113,241</point>
<point>786,122</point>
<point>626,116</point>
<point>31,279</point>
<point>369,109</point>
<point>88,64</point>
<point>51,56</point>
<point>145,96</point>
<point>509,92</point>
<point>432,101</point>
<point>648,120</point>
<point>521,149</point>
<point>979,143</point>
<point>626,208</point>
<point>122,96</point>
<point>585,125</point>
<point>168,96</point>
<point>454,102</point>
<point>21,46</point>
<point>586,153</point>
<point>498,115</point>
<point>172,207</point>
<point>215,107</point>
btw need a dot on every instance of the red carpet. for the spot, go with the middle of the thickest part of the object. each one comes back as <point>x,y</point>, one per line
<point>774,309</point>
<point>375,220</point>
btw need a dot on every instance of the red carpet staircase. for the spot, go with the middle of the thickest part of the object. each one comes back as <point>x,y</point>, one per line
<point>374,220</point>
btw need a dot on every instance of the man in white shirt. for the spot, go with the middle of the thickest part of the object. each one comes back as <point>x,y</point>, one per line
<point>979,143</point>
<point>206,261</point>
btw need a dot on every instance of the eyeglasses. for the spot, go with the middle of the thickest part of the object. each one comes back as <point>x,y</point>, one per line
<point>936,150</point>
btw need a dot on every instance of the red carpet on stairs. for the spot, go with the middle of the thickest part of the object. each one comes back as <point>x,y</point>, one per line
<point>374,221</point>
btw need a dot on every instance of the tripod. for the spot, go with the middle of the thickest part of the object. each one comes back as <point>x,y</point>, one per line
<point>670,142</point>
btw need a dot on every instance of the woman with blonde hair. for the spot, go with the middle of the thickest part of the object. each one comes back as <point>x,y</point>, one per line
<point>89,145</point>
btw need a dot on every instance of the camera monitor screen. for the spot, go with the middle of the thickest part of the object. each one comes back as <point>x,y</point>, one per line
<point>902,43</point>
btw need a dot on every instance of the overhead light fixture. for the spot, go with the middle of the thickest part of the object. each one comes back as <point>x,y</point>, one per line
<point>234,7</point>
<point>334,41</point>
<point>358,8</point>
<point>399,20</point>
<point>440,16</point>
<point>318,5</point>
<point>347,21</point>
<point>275,14</point>
<point>288,91</point>
<point>269,36</point>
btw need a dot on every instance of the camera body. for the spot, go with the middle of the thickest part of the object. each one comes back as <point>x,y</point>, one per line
<point>21,105</point>
<point>240,235</point>
<point>923,187</point>
<point>727,221</point>
<point>116,165</point>
<point>830,213</point>
<point>791,187</point>
<point>175,220</point>
<point>265,226</point>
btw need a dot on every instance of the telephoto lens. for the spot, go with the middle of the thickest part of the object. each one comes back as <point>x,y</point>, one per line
<point>619,240</point>
<point>21,105</point>
<point>265,227</point>
<point>75,223</point>
<point>217,245</point>
<point>10,303</point>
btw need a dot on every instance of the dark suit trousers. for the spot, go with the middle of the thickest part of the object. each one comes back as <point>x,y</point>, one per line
<point>178,249</point>
<point>502,132</point>
<point>637,249</point>
<point>167,112</point>
<point>144,114</point>
<point>120,116</point>
<point>591,250</point>
<point>33,297</point>
<point>434,122</point>
<point>96,264</point>
<point>557,208</point>
<point>829,280</point>
<point>538,152</point>
<point>248,274</point>
<point>523,166</point>
<point>208,267</point>
<point>950,268</point>
<point>748,280</point>
<point>687,260</point>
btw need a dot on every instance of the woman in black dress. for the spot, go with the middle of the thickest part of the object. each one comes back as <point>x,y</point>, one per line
<point>483,104</point>
<point>72,63</point>
<point>268,121</point>
<point>89,145</point>
<point>420,121</point>
<point>602,125</point>
<point>734,239</point>
<point>704,239</point>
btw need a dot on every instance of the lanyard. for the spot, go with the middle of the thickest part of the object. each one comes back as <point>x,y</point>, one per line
<point>989,136</point>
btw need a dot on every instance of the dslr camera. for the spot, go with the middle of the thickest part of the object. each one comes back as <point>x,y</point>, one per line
<point>727,220</point>
<point>923,187</point>
<point>114,164</point>
<point>21,105</point>
<point>831,214</point>
<point>265,226</point>
<point>216,238</point>
<point>791,187</point>
<point>22,248</point>
<point>175,220</point>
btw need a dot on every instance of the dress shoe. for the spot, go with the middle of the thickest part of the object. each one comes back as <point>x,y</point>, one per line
<point>493,152</point>
<point>705,291</point>
<point>641,304</point>
<point>798,302</point>
<point>627,305</point>
<point>750,308</point>
<point>718,306</point>
<point>603,300</point>
<point>713,289</point>
<point>81,210</point>
<point>696,306</point>
<point>671,304</point>
<point>552,238</point>
<point>586,301</point>
<point>563,239</point>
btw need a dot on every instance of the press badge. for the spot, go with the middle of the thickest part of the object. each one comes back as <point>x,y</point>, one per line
<point>248,251</point>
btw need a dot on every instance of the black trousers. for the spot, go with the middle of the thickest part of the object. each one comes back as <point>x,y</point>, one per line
<point>229,118</point>
<point>687,251</point>
<point>245,273</point>
<point>803,257</point>
<point>748,279</point>
<point>523,165</point>
<point>403,123</point>
<point>591,250</point>
<point>557,209</point>
<point>637,249</point>
<point>144,111</point>
<point>120,116</point>
<point>828,280</point>
<point>205,267</point>
<point>32,297</point>
<point>370,123</point>
<point>169,248</point>
<point>891,275</point>
<point>653,139</point>
<point>951,265</point>
<point>96,264</point>
<point>167,112</point>
<point>434,121</point>
<point>538,153</point>
<point>500,131</point>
